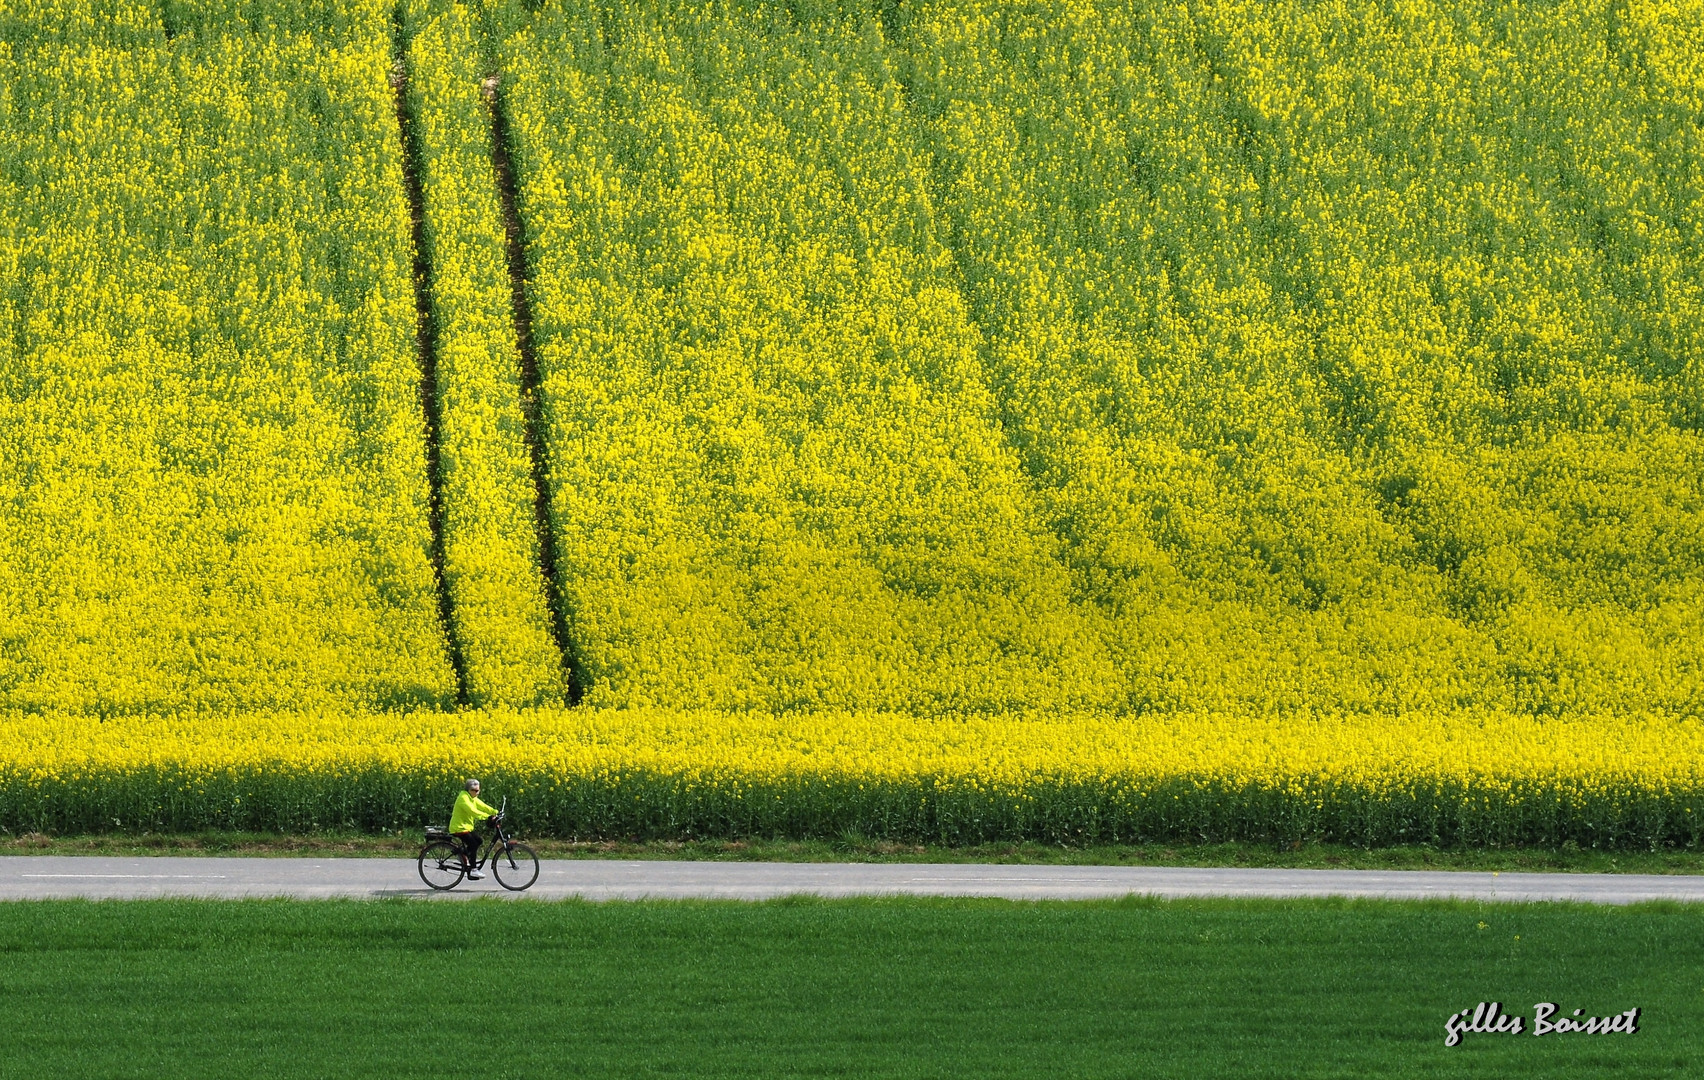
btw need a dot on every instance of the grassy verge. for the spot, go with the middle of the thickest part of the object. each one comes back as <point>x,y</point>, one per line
<point>857,849</point>
<point>843,988</point>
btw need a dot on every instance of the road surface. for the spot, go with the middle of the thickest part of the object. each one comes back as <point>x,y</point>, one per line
<point>27,877</point>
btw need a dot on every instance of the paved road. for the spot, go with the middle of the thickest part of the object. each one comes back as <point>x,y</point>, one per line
<point>44,876</point>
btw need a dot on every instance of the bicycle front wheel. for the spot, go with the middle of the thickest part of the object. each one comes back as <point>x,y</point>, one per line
<point>441,865</point>
<point>515,866</point>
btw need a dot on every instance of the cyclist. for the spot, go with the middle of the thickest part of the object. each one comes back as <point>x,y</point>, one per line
<point>468,813</point>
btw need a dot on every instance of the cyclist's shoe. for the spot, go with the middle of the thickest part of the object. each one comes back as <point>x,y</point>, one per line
<point>475,875</point>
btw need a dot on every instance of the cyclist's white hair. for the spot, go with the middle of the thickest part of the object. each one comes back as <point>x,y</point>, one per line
<point>472,782</point>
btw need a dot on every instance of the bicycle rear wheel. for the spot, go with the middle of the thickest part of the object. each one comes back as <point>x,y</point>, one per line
<point>516,867</point>
<point>441,865</point>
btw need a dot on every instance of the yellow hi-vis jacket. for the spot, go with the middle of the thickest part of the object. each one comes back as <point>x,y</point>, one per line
<point>469,812</point>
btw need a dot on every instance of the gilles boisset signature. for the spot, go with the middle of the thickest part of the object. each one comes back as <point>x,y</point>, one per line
<point>1488,1018</point>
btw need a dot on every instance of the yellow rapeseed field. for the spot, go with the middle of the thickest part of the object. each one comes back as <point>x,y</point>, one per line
<point>212,479</point>
<point>1112,355</point>
<point>1610,781</point>
<point>954,419</point>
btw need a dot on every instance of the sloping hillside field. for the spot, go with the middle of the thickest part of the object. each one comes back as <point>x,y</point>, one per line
<point>214,494</point>
<point>924,418</point>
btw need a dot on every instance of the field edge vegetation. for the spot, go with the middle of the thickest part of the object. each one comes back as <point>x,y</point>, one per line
<point>1471,779</point>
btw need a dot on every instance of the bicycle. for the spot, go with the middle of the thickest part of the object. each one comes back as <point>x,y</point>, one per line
<point>513,864</point>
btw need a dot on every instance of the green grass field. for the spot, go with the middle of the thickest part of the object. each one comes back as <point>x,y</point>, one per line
<point>815,988</point>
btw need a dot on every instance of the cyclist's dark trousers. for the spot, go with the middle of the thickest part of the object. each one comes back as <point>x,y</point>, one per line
<point>470,844</point>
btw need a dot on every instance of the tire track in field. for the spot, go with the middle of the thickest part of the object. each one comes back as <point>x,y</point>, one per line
<point>426,346</point>
<point>532,400</point>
